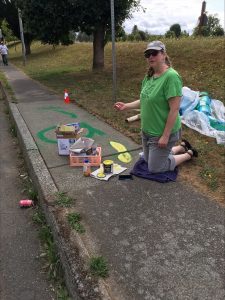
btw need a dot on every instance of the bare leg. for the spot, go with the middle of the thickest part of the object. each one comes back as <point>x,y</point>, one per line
<point>178,149</point>
<point>180,158</point>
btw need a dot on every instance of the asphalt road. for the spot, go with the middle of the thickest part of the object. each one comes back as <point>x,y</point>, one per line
<point>21,276</point>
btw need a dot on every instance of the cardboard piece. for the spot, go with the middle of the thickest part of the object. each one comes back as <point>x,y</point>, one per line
<point>64,144</point>
<point>117,169</point>
<point>66,136</point>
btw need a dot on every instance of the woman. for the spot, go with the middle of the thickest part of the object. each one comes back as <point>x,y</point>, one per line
<point>159,102</point>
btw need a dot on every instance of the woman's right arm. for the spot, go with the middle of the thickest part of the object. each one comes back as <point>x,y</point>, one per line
<point>127,106</point>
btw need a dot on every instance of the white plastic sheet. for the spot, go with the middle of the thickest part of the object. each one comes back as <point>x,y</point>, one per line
<point>198,120</point>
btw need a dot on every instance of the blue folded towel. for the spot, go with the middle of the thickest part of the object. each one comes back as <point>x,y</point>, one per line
<point>140,169</point>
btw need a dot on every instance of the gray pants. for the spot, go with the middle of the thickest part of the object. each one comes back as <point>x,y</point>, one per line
<point>5,59</point>
<point>159,159</point>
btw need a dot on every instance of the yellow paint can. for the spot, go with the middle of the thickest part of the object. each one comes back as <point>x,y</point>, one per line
<point>108,166</point>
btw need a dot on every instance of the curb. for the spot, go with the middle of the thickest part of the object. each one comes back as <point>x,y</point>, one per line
<point>72,256</point>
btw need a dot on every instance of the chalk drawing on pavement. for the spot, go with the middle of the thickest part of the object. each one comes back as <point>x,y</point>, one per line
<point>43,138</point>
<point>91,132</point>
<point>60,110</point>
<point>124,157</point>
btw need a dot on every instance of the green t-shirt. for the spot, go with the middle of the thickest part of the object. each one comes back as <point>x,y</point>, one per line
<point>155,93</point>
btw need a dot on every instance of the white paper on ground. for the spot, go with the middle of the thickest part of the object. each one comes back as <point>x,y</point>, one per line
<point>117,169</point>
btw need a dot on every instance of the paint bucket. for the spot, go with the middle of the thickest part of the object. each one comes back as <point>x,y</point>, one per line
<point>107,166</point>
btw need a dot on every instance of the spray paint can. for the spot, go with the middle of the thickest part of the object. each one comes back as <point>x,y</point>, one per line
<point>26,203</point>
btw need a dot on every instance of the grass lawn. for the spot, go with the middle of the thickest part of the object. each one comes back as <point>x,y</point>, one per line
<point>200,62</point>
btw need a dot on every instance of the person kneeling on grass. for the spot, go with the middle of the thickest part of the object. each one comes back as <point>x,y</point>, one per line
<point>159,102</point>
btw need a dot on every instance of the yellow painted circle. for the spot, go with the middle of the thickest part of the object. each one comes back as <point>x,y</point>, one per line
<point>100,175</point>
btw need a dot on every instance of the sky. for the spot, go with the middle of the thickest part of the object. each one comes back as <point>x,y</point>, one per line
<point>159,15</point>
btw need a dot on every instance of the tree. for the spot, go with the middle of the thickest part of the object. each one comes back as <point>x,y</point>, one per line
<point>95,17</point>
<point>52,20</point>
<point>49,21</point>
<point>6,31</point>
<point>211,28</point>
<point>137,35</point>
<point>184,33</point>
<point>9,11</point>
<point>83,37</point>
<point>121,34</point>
<point>176,29</point>
<point>170,34</point>
<point>218,31</point>
<point>135,30</point>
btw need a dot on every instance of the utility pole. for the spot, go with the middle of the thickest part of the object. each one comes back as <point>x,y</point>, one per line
<point>113,50</point>
<point>22,37</point>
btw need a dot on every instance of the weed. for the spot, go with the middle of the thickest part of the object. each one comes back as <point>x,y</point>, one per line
<point>203,148</point>
<point>209,175</point>
<point>53,265</point>
<point>63,200</point>
<point>45,234</point>
<point>49,253</point>
<point>74,221</point>
<point>13,130</point>
<point>213,184</point>
<point>13,99</point>
<point>6,111</point>
<point>98,267</point>
<point>38,217</point>
<point>62,293</point>
<point>30,190</point>
<point>8,87</point>
<point>73,218</point>
<point>79,227</point>
<point>135,130</point>
<point>5,84</point>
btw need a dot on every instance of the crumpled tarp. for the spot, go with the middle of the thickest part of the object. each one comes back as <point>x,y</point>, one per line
<point>213,125</point>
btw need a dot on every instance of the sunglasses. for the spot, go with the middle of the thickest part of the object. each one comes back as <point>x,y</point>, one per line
<point>151,52</point>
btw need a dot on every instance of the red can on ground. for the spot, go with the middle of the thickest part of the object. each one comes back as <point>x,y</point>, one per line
<point>26,203</point>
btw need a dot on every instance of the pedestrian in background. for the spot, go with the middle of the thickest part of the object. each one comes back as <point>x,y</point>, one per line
<point>4,53</point>
<point>159,103</point>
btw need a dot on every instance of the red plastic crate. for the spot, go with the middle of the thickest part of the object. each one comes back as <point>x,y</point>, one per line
<point>78,161</point>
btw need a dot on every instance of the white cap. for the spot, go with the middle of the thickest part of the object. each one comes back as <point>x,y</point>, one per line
<point>155,45</point>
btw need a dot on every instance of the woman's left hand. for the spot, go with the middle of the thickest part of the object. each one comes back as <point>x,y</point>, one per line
<point>163,141</point>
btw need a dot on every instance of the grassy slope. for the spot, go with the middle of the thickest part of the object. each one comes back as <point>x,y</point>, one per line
<point>199,61</point>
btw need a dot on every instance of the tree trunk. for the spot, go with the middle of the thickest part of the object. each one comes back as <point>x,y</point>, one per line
<point>27,46</point>
<point>98,48</point>
<point>28,38</point>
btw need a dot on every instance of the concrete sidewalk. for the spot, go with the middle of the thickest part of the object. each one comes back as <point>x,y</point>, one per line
<point>161,241</point>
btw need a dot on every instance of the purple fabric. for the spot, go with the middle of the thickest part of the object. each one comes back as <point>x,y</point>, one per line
<point>140,169</point>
